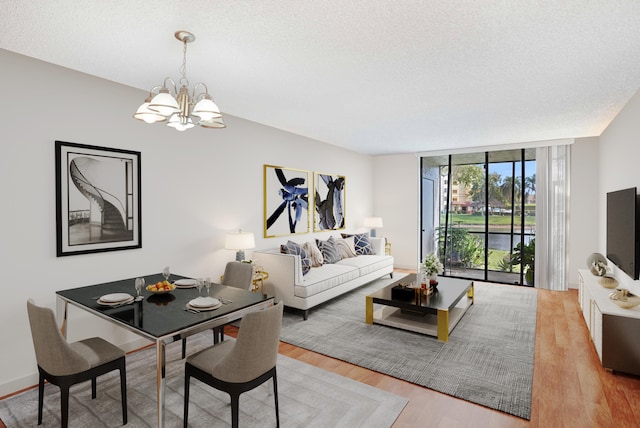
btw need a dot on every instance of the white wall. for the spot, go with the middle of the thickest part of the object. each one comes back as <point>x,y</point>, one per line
<point>196,186</point>
<point>396,199</point>
<point>584,199</point>
<point>619,155</point>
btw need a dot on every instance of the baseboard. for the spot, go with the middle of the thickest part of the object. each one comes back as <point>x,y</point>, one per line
<point>18,385</point>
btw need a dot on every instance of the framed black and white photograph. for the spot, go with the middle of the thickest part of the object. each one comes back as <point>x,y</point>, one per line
<point>286,201</point>
<point>98,199</point>
<point>329,201</point>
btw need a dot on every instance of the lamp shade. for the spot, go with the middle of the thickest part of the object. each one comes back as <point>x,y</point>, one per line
<point>149,116</point>
<point>213,123</point>
<point>164,103</point>
<point>206,109</point>
<point>373,222</point>
<point>239,241</point>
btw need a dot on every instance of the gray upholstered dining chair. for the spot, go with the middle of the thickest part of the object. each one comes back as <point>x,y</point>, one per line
<point>65,364</point>
<point>241,365</point>
<point>238,275</point>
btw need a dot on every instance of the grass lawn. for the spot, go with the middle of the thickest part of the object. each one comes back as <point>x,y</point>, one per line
<point>495,258</point>
<point>496,220</point>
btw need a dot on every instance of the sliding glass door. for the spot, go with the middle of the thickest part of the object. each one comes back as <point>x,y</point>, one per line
<point>480,217</point>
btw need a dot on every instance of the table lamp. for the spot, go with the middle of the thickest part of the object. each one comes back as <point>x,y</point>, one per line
<point>239,241</point>
<point>373,223</point>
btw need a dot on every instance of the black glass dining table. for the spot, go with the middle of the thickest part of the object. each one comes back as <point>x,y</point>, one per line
<point>161,318</point>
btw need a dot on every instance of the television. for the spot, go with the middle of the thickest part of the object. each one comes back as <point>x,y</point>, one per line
<point>623,247</point>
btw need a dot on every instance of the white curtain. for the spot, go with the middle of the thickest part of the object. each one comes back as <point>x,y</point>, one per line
<point>552,216</point>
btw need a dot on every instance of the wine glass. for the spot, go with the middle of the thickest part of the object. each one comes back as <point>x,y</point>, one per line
<point>207,284</point>
<point>166,273</point>
<point>199,284</point>
<point>139,284</point>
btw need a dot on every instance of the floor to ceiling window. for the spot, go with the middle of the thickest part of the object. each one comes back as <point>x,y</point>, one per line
<point>478,213</point>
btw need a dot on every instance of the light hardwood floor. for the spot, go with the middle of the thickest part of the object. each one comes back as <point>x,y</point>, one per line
<point>570,387</point>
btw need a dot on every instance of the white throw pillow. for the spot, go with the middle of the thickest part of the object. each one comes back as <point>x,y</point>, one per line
<point>314,254</point>
<point>346,247</point>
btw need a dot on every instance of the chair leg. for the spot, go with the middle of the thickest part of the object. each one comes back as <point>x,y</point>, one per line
<point>64,406</point>
<point>93,388</point>
<point>186,398</point>
<point>235,409</point>
<point>275,393</point>
<point>123,391</point>
<point>184,348</point>
<point>40,398</point>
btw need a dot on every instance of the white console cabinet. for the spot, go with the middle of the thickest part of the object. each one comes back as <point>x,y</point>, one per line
<point>615,332</point>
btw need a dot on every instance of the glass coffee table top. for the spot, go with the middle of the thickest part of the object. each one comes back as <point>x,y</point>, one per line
<point>449,292</point>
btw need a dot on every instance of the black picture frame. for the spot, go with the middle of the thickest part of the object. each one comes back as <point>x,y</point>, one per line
<point>98,199</point>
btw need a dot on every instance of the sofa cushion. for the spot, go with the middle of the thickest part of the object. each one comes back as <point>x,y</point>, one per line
<point>367,264</point>
<point>315,255</point>
<point>329,250</point>
<point>361,242</point>
<point>324,278</point>
<point>294,248</point>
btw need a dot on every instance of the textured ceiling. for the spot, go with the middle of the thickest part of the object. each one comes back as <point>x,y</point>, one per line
<point>374,76</point>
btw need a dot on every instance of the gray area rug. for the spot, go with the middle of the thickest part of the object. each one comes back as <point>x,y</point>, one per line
<point>488,359</point>
<point>308,397</point>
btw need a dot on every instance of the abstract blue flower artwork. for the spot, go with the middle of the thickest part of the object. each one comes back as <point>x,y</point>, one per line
<point>329,201</point>
<point>286,201</point>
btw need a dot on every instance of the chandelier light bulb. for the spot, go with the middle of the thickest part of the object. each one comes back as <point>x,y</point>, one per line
<point>180,123</point>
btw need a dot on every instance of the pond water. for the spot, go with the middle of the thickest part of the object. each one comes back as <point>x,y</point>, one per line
<point>500,241</point>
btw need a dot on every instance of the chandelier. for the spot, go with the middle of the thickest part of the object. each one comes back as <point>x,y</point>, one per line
<point>178,108</point>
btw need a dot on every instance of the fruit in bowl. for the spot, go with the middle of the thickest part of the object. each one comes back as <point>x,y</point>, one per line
<point>161,287</point>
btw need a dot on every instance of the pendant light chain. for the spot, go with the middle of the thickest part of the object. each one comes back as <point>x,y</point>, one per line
<point>183,70</point>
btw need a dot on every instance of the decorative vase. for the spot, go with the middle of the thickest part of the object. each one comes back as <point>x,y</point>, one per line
<point>624,299</point>
<point>608,282</point>
<point>433,281</point>
<point>424,279</point>
<point>597,264</point>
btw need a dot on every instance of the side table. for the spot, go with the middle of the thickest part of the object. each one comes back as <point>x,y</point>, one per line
<point>259,277</point>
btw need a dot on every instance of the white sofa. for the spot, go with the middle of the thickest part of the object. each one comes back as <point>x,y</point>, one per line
<point>323,283</point>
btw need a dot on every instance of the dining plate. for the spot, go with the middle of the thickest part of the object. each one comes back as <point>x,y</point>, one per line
<point>205,302</point>
<point>115,297</point>
<point>200,309</point>
<point>122,302</point>
<point>185,283</point>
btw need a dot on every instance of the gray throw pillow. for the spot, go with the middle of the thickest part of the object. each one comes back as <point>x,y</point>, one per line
<point>329,250</point>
